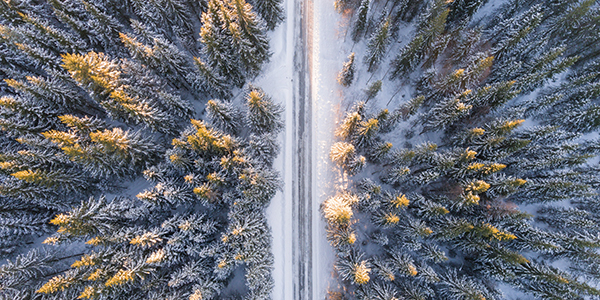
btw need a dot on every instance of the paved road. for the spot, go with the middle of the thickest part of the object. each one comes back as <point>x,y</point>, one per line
<point>302,149</point>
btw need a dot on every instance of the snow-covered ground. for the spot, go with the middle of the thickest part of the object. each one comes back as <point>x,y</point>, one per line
<point>277,81</point>
<point>327,56</point>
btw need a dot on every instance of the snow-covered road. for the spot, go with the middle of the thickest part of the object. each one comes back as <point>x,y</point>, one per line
<point>326,56</point>
<point>301,74</point>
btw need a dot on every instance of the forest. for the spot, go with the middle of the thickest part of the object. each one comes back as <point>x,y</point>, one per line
<point>483,182</point>
<point>136,157</point>
<point>139,156</point>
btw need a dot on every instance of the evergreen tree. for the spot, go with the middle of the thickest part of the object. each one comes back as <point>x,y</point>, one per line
<point>513,32</point>
<point>91,92</point>
<point>210,80</point>
<point>218,44</point>
<point>348,126</point>
<point>342,153</point>
<point>360,25</point>
<point>408,58</point>
<point>455,287</point>
<point>447,112</point>
<point>251,41</point>
<point>464,9</point>
<point>264,148</point>
<point>377,45</point>
<point>373,89</point>
<point>270,10</point>
<point>264,116</point>
<point>53,92</point>
<point>366,133</point>
<point>353,268</point>
<point>162,56</point>
<point>224,116</point>
<point>346,75</point>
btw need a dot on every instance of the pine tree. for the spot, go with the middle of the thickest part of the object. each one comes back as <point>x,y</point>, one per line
<point>94,71</point>
<point>373,89</point>
<point>342,153</point>
<point>464,9</point>
<point>55,38</point>
<point>338,209</point>
<point>59,180</point>
<point>92,90</point>
<point>377,45</point>
<point>21,116</point>
<point>162,56</point>
<point>251,38</point>
<point>353,268</point>
<point>495,95</point>
<point>133,108</point>
<point>513,32</point>
<point>447,112</point>
<point>366,133</point>
<point>346,75</point>
<point>360,25</point>
<point>583,120</point>
<point>52,92</point>
<point>568,22</point>
<point>455,287</point>
<point>209,80</point>
<point>106,26</point>
<point>218,44</point>
<point>408,58</point>
<point>264,116</point>
<point>224,116</point>
<point>356,165</point>
<point>264,148</point>
<point>467,44</point>
<point>132,148</point>
<point>379,152</point>
<point>349,125</point>
<point>270,10</point>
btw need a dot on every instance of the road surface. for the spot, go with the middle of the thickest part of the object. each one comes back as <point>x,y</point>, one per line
<point>302,167</point>
<point>318,56</point>
<point>302,74</point>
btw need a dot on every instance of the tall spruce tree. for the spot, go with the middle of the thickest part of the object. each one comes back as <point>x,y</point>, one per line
<point>377,46</point>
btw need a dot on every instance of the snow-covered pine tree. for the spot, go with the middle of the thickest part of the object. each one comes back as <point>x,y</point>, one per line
<point>346,75</point>
<point>465,195</point>
<point>353,268</point>
<point>264,116</point>
<point>218,43</point>
<point>430,28</point>
<point>373,89</point>
<point>224,116</point>
<point>377,45</point>
<point>250,43</point>
<point>461,10</point>
<point>359,27</point>
<point>270,10</point>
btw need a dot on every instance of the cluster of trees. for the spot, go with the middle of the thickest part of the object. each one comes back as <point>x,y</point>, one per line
<point>97,95</point>
<point>504,115</point>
